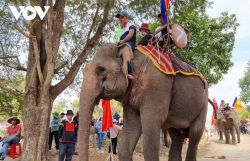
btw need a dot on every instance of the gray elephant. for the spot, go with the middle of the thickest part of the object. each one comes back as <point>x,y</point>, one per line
<point>151,102</point>
<point>228,125</point>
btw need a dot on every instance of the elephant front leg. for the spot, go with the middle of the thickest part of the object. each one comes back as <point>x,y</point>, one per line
<point>221,134</point>
<point>151,128</point>
<point>131,133</point>
<point>227,136</point>
<point>232,132</point>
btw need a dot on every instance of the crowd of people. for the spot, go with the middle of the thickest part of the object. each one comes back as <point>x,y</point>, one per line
<point>112,133</point>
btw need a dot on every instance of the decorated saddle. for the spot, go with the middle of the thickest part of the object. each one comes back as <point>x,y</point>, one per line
<point>169,63</point>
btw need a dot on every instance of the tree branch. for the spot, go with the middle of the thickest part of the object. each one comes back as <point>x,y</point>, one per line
<point>69,78</point>
<point>94,19</point>
<point>7,57</point>
<point>60,67</point>
<point>49,70</point>
<point>20,30</point>
<point>38,65</point>
<point>18,66</point>
<point>58,9</point>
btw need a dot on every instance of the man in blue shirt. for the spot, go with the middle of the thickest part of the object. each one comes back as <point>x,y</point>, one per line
<point>128,36</point>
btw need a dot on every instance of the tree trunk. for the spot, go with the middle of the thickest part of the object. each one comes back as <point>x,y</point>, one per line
<point>39,96</point>
<point>36,127</point>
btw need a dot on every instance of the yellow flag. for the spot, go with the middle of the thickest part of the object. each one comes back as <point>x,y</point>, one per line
<point>238,105</point>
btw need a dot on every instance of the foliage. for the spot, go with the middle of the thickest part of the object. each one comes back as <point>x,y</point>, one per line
<point>212,43</point>
<point>61,106</point>
<point>245,112</point>
<point>11,96</point>
<point>244,84</point>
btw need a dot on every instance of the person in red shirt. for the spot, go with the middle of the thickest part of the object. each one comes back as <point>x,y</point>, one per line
<point>13,135</point>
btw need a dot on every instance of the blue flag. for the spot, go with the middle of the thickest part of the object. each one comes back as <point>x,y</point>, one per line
<point>163,10</point>
<point>234,101</point>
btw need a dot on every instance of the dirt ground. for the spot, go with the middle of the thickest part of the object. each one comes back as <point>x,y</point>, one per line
<point>213,150</point>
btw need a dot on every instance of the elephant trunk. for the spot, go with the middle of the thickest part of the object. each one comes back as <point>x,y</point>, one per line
<point>237,131</point>
<point>89,94</point>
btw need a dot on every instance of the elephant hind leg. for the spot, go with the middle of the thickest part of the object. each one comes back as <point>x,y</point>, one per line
<point>196,129</point>
<point>176,145</point>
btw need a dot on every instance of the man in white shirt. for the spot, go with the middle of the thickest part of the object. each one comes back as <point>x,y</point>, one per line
<point>128,36</point>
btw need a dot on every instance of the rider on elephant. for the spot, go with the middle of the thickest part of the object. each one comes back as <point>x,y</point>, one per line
<point>128,36</point>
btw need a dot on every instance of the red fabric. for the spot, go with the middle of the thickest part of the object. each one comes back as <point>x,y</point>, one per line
<point>70,127</point>
<point>164,62</point>
<point>167,4</point>
<point>107,115</point>
<point>12,130</point>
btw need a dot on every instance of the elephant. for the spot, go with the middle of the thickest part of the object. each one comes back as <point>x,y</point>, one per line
<point>152,101</point>
<point>228,125</point>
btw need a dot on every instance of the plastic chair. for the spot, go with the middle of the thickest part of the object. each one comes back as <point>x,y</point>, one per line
<point>13,151</point>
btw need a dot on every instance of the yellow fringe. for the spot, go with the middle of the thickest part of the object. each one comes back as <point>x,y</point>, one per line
<point>170,73</point>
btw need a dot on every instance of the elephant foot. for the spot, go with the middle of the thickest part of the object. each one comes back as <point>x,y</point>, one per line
<point>234,142</point>
<point>221,138</point>
<point>227,142</point>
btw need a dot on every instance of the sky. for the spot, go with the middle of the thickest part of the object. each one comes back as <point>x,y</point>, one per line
<point>228,88</point>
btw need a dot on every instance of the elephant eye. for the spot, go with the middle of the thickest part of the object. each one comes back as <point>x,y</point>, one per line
<point>100,70</point>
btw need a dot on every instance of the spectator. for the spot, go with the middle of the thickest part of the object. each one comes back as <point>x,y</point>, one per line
<point>1,144</point>
<point>55,123</point>
<point>116,116</point>
<point>243,125</point>
<point>13,135</point>
<point>248,125</point>
<point>62,116</point>
<point>67,137</point>
<point>113,135</point>
<point>100,135</point>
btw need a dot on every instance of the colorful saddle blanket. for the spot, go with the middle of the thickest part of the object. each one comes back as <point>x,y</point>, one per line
<point>170,65</point>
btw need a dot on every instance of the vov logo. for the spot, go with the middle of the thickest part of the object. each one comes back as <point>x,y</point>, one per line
<point>25,10</point>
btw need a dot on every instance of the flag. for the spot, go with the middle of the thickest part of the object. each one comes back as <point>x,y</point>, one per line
<point>107,115</point>
<point>234,101</point>
<point>164,8</point>
<point>118,33</point>
<point>238,105</point>
<point>213,121</point>
<point>215,104</point>
<point>167,4</point>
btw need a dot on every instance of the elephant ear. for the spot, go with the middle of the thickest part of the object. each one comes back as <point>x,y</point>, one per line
<point>125,48</point>
<point>126,53</point>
